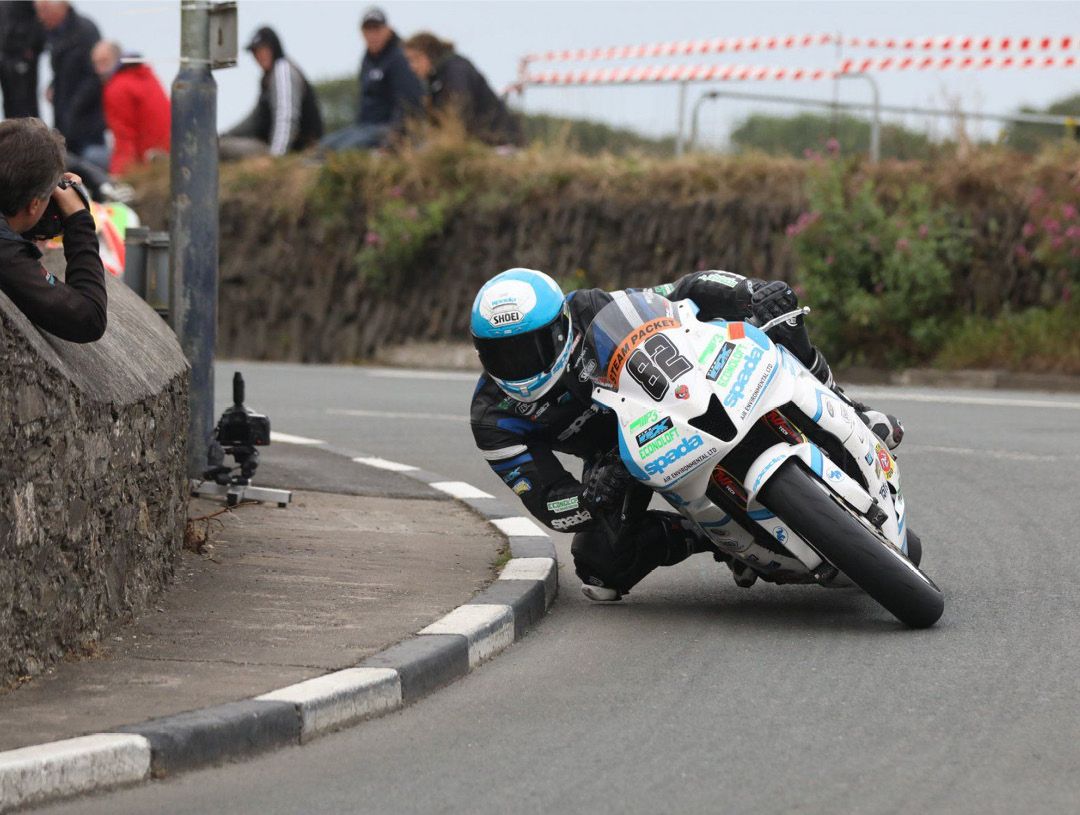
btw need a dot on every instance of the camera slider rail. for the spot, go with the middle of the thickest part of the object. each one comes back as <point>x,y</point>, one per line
<point>236,493</point>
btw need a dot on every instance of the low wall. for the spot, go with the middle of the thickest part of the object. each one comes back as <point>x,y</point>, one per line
<point>93,493</point>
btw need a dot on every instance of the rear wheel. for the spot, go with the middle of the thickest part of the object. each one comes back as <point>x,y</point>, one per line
<point>877,567</point>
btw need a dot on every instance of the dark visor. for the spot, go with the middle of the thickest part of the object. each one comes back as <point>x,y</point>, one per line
<point>513,359</point>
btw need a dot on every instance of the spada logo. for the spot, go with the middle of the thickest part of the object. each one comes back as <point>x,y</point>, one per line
<point>576,519</point>
<point>743,379</point>
<point>658,465</point>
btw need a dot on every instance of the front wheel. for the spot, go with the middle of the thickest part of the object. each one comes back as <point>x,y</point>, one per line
<point>874,565</point>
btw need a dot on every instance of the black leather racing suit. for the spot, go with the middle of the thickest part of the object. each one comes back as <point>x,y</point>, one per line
<point>519,441</point>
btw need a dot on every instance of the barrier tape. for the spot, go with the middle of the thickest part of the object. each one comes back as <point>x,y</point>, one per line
<point>705,73</point>
<point>717,45</point>
<point>1064,43</point>
<point>722,45</point>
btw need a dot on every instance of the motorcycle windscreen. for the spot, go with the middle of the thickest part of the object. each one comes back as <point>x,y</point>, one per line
<point>628,320</point>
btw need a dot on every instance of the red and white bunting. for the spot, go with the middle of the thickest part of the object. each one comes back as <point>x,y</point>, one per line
<point>718,45</point>
<point>968,44</point>
<point>729,73</point>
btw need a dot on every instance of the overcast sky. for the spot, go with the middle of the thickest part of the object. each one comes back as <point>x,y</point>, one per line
<point>322,37</point>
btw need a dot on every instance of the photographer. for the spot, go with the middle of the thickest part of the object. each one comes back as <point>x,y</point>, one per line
<point>31,169</point>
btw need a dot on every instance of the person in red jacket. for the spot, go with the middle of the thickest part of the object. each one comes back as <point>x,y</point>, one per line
<point>136,107</point>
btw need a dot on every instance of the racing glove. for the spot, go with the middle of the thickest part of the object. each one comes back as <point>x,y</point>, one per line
<point>605,483</point>
<point>773,300</point>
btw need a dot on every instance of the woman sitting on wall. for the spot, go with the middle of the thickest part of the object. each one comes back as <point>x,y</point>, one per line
<point>456,86</point>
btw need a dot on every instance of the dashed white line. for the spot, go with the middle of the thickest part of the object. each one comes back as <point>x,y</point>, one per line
<point>946,399</point>
<point>459,489</point>
<point>448,376</point>
<point>287,438</point>
<point>1009,455</point>
<point>397,414</point>
<point>383,464</point>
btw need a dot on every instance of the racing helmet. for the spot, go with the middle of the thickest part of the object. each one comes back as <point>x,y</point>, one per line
<point>520,326</point>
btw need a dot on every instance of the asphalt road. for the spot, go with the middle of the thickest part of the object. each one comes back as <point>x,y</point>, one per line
<point>695,696</point>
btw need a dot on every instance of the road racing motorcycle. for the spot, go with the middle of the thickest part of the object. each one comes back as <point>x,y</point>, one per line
<point>775,469</point>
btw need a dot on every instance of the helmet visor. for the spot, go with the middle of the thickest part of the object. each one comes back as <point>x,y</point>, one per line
<point>513,359</point>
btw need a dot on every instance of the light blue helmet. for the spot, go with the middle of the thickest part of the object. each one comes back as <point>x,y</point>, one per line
<point>521,328</point>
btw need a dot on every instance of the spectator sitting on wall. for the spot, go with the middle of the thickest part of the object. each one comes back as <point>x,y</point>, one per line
<point>455,85</point>
<point>136,107</point>
<point>389,91</point>
<point>286,116</point>
<point>75,91</point>
<point>22,39</point>
<point>31,166</point>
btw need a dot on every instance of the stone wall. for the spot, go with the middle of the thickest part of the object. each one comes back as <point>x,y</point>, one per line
<point>93,493</point>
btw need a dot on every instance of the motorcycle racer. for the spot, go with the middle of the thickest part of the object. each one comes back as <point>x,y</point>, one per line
<point>534,400</point>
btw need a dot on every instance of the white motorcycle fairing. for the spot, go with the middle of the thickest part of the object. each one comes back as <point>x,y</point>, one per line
<point>689,402</point>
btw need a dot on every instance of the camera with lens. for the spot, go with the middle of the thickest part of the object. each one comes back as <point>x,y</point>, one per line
<point>51,222</point>
<point>239,431</point>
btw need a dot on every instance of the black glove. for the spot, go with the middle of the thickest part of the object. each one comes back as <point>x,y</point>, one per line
<point>773,300</point>
<point>606,483</point>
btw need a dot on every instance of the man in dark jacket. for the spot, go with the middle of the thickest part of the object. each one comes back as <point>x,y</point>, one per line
<point>456,86</point>
<point>22,39</point>
<point>389,91</point>
<point>75,92</point>
<point>31,165</point>
<point>286,116</point>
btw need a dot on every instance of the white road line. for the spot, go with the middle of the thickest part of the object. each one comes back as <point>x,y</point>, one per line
<point>519,526</point>
<point>1010,455</point>
<point>383,464</point>
<point>946,399</point>
<point>286,438</point>
<point>459,489</point>
<point>397,414</point>
<point>399,373</point>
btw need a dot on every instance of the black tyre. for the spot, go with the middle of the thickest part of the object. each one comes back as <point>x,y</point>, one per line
<point>914,547</point>
<point>870,562</point>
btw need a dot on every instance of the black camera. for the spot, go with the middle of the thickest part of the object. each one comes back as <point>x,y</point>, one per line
<point>51,222</point>
<point>239,431</point>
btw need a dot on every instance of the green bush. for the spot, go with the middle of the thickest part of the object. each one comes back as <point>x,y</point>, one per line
<point>1037,340</point>
<point>879,277</point>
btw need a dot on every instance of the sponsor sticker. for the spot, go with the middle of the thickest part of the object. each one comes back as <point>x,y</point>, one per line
<point>723,356</point>
<point>731,485</point>
<point>834,475</point>
<point>513,475</point>
<point>709,349</point>
<point>654,430</point>
<point>723,278</point>
<point>564,505</point>
<point>743,378</point>
<point>661,463</point>
<point>726,375</point>
<point>885,460</point>
<point>682,392</point>
<point>642,421</point>
<point>507,303</point>
<point>780,534</point>
<point>522,486</point>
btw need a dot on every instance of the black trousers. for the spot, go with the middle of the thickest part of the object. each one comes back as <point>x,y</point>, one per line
<point>19,85</point>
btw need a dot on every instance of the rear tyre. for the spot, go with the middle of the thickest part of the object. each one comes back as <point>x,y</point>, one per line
<point>873,565</point>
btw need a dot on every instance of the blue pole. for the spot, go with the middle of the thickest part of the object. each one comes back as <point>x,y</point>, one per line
<point>194,226</point>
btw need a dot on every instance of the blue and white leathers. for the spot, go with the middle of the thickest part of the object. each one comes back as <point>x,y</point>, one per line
<point>515,303</point>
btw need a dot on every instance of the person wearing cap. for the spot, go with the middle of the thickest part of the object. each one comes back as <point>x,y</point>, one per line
<point>286,116</point>
<point>456,86</point>
<point>389,90</point>
<point>136,108</point>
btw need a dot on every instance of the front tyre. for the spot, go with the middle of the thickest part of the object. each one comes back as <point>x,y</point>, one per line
<point>833,532</point>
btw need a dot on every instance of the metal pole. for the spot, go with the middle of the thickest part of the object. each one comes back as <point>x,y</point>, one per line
<point>194,229</point>
<point>875,122</point>
<point>680,137</point>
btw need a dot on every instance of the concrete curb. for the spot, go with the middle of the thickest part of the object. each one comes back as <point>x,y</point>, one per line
<point>439,654</point>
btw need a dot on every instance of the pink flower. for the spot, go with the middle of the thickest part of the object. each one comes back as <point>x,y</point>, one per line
<point>1073,232</point>
<point>1028,230</point>
<point>832,147</point>
<point>924,230</point>
<point>903,244</point>
<point>1037,195</point>
<point>1068,212</point>
<point>1021,251</point>
<point>372,238</point>
<point>1051,225</point>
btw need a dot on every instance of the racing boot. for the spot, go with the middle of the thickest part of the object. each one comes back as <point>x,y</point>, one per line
<point>885,426</point>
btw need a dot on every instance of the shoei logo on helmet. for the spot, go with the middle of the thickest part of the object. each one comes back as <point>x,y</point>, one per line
<point>507,303</point>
